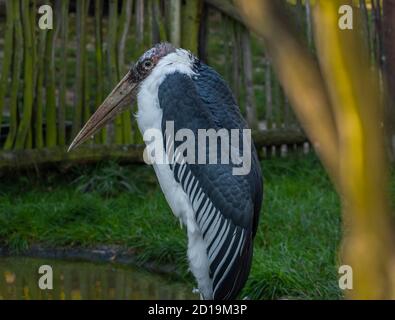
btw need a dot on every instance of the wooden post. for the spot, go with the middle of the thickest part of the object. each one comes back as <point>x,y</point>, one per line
<point>63,72</point>
<point>268,93</point>
<point>113,62</point>
<point>99,64</point>
<point>190,17</point>
<point>25,123</point>
<point>80,71</point>
<point>175,22</point>
<point>203,34</point>
<point>16,74</point>
<point>50,106</point>
<point>33,26</point>
<point>87,73</point>
<point>248,79</point>
<point>8,45</point>
<point>139,21</point>
<point>236,59</point>
<point>39,100</point>
<point>123,32</point>
<point>124,26</point>
<point>158,27</point>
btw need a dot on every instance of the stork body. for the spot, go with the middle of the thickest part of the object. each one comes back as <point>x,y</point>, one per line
<point>219,243</point>
<point>219,209</point>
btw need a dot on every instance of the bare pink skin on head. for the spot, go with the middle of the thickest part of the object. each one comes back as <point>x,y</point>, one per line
<point>158,51</point>
<point>149,60</point>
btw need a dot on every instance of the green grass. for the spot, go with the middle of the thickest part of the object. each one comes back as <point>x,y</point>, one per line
<point>295,249</point>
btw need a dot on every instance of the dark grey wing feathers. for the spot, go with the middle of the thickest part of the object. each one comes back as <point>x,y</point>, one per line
<point>224,204</point>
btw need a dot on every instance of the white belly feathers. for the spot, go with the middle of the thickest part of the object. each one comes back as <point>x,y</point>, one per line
<point>150,116</point>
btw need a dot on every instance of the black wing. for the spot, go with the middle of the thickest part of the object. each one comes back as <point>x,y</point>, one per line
<point>226,206</point>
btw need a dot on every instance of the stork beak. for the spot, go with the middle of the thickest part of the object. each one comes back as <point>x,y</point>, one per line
<point>122,96</point>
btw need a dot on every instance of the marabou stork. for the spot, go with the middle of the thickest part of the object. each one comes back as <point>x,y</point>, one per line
<point>219,209</point>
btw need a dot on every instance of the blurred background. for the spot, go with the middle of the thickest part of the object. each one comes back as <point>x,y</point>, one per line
<point>282,68</point>
<point>74,66</point>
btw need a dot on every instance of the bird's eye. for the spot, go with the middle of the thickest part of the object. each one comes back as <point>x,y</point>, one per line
<point>148,64</point>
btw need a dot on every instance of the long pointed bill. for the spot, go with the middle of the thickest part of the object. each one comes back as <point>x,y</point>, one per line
<point>122,96</point>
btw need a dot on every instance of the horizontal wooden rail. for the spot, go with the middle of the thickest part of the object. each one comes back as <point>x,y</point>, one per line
<point>37,158</point>
<point>278,137</point>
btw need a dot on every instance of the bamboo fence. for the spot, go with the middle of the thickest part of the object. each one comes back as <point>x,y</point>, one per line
<point>52,80</point>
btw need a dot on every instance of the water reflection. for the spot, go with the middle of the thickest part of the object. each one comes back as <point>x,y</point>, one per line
<point>84,280</point>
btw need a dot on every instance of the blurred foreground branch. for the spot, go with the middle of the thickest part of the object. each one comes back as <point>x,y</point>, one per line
<point>340,107</point>
<point>357,105</point>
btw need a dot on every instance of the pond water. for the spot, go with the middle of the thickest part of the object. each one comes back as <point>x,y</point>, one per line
<point>85,280</point>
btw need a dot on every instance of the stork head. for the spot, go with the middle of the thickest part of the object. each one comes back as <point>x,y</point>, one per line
<point>124,94</point>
